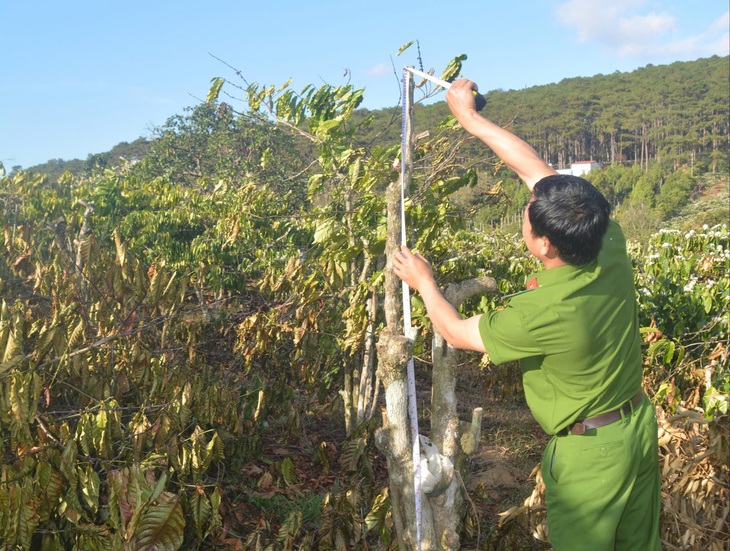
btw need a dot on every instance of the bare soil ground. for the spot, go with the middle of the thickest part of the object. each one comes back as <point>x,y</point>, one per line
<point>511,447</point>
<point>500,476</point>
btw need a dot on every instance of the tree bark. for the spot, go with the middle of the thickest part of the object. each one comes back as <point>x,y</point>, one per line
<point>449,509</point>
<point>394,350</point>
<point>441,516</point>
<point>394,439</point>
<point>80,240</point>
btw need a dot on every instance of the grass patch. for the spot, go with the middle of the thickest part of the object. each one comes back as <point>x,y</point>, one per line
<point>278,507</point>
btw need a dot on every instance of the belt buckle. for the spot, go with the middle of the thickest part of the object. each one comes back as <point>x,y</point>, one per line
<point>578,428</point>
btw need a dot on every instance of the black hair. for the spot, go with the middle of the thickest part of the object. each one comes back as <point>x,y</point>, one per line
<point>572,214</point>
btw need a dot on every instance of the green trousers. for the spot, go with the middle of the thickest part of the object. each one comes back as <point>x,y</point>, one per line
<point>603,487</point>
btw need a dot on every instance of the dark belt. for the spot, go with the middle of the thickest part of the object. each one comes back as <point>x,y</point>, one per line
<point>579,427</point>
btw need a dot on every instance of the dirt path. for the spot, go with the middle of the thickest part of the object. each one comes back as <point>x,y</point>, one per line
<point>511,447</point>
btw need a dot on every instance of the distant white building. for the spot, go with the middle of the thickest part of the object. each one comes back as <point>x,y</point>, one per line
<point>580,168</point>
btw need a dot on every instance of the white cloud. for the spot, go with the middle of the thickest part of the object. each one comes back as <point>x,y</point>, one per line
<point>632,30</point>
<point>380,70</point>
<point>650,25</point>
<point>718,36</point>
<point>721,23</point>
<point>593,18</point>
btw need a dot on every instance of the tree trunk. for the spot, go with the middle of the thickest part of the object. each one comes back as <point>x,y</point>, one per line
<point>449,509</point>
<point>394,438</point>
<point>369,383</point>
<point>394,349</point>
<point>80,257</point>
<point>443,514</point>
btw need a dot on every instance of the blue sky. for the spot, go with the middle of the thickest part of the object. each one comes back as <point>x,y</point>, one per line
<point>80,77</point>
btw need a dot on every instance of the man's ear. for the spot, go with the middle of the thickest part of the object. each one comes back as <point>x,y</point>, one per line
<point>547,249</point>
<point>545,246</point>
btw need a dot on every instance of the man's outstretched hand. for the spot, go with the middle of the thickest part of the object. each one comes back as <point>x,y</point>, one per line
<point>416,272</point>
<point>412,268</point>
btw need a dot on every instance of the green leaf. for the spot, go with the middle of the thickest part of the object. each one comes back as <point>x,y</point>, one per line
<point>655,347</point>
<point>669,352</point>
<point>25,516</point>
<point>201,511</point>
<point>215,90</point>
<point>213,449</point>
<point>77,334</point>
<point>324,231</point>
<point>325,128</point>
<point>290,527</point>
<point>405,47</point>
<point>715,402</point>
<point>453,68</point>
<point>215,520</point>
<point>52,487</point>
<point>284,86</point>
<point>159,487</point>
<point>90,484</point>
<point>85,252</point>
<point>381,506</point>
<point>11,363</point>
<point>162,526</point>
<point>19,398</point>
<point>288,471</point>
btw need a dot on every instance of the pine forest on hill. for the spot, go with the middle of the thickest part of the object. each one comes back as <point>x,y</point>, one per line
<point>676,113</point>
<point>192,326</point>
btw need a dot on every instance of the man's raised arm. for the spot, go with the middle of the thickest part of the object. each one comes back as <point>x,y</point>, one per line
<point>514,151</point>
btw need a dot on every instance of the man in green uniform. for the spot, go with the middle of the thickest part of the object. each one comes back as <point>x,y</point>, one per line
<point>575,333</point>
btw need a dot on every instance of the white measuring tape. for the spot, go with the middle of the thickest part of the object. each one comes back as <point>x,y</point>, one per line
<point>480,102</point>
<point>407,326</point>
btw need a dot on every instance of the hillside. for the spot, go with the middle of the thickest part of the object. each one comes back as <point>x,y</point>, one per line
<point>677,114</point>
<point>108,159</point>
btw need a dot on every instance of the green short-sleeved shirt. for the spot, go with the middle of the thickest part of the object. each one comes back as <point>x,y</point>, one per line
<point>576,336</point>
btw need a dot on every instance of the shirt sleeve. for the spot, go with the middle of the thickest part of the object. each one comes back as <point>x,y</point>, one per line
<point>507,337</point>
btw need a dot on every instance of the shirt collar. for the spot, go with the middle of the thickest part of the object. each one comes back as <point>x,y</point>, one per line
<point>548,277</point>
